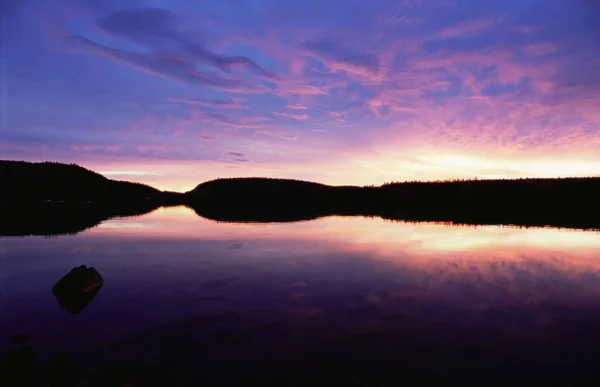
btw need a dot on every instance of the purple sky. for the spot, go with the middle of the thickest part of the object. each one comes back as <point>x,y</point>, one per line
<point>172,93</point>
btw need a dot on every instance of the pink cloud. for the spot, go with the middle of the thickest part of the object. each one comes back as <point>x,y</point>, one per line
<point>298,117</point>
<point>297,65</point>
<point>539,49</point>
<point>230,120</point>
<point>342,54</point>
<point>309,90</point>
<point>227,103</point>
<point>374,106</point>
<point>297,106</point>
<point>339,117</point>
<point>386,87</point>
<point>466,29</point>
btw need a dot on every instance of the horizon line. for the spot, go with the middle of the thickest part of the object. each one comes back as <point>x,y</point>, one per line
<point>436,181</point>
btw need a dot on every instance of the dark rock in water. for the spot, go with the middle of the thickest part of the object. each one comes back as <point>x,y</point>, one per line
<point>76,289</point>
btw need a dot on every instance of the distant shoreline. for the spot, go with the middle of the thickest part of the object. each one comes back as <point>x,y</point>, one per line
<point>39,198</point>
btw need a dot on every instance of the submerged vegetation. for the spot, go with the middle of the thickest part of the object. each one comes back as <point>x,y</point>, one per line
<point>47,198</point>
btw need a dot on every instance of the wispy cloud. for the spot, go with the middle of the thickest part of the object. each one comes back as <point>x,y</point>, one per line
<point>335,52</point>
<point>171,66</point>
<point>224,103</point>
<point>348,92</point>
<point>309,90</point>
<point>298,117</point>
<point>157,29</point>
<point>297,106</point>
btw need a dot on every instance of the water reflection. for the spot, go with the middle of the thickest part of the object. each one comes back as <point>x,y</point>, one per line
<point>181,223</point>
<point>421,294</point>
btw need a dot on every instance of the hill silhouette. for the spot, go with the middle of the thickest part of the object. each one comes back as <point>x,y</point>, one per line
<point>25,181</point>
<point>570,202</point>
<point>53,198</point>
<point>259,199</point>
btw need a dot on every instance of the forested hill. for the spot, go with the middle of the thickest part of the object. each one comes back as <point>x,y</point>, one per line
<point>569,202</point>
<point>50,181</point>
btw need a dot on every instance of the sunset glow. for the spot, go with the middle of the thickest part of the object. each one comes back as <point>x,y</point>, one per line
<point>440,258</point>
<point>386,238</point>
<point>173,93</point>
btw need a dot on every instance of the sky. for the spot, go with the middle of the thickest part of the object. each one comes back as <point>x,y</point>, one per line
<point>175,92</point>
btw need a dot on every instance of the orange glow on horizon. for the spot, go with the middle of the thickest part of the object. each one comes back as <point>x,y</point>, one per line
<point>358,170</point>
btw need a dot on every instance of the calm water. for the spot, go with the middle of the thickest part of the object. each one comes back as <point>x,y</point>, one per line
<point>356,297</point>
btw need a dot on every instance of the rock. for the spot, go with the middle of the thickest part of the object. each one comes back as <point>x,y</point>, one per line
<point>76,289</point>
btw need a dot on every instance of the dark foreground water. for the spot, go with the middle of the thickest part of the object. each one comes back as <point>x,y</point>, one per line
<point>336,301</point>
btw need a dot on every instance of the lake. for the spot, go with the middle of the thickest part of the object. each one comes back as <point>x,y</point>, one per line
<point>337,300</point>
